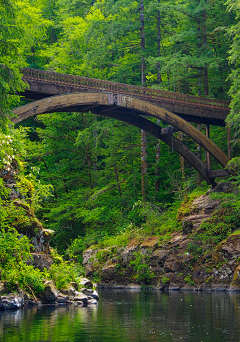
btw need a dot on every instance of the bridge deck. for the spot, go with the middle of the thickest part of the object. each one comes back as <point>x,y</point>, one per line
<point>192,108</point>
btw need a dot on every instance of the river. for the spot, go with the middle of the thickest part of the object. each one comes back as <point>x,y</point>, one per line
<point>130,315</point>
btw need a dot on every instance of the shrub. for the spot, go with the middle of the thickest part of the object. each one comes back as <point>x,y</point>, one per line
<point>63,273</point>
<point>142,272</point>
<point>26,276</point>
<point>188,280</point>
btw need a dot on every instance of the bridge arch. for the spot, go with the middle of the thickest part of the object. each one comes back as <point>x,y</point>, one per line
<point>129,109</point>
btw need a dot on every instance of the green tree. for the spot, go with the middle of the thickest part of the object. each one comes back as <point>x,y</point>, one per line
<point>234,117</point>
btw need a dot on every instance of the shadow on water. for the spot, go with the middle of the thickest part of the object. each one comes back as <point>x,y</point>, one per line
<point>131,315</point>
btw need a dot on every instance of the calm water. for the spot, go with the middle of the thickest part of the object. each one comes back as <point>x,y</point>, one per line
<point>123,316</point>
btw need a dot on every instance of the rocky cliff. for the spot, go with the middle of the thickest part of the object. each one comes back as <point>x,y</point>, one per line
<point>193,258</point>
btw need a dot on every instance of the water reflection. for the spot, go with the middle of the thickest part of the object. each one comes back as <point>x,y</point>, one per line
<point>123,316</point>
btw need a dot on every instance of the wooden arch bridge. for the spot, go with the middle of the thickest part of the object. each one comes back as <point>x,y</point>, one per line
<point>55,92</point>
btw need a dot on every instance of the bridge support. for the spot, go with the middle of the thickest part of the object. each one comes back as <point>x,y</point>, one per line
<point>208,157</point>
<point>131,110</point>
<point>229,142</point>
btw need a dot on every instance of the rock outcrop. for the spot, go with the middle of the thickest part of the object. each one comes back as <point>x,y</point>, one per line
<point>179,263</point>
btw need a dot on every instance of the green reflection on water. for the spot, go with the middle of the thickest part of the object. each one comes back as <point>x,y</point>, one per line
<point>124,316</point>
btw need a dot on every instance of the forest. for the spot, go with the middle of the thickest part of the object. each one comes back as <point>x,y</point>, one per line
<point>94,180</point>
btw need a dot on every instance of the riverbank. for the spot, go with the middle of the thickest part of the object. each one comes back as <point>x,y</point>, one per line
<point>203,254</point>
<point>82,294</point>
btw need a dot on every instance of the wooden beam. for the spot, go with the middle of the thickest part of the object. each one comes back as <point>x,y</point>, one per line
<point>176,121</point>
<point>170,140</point>
<point>218,173</point>
<point>169,130</point>
<point>57,103</point>
<point>208,157</point>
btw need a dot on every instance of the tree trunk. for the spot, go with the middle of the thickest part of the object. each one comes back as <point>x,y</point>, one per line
<point>95,154</point>
<point>199,155</point>
<point>144,165</point>
<point>142,33</point>
<point>117,179</point>
<point>159,79</point>
<point>157,169</point>
<point>204,42</point>
<point>88,156</point>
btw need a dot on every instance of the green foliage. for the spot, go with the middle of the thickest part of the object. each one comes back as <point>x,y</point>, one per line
<point>142,271</point>
<point>120,239</point>
<point>188,280</point>
<point>33,191</point>
<point>25,276</point>
<point>13,248</point>
<point>160,221</point>
<point>233,31</point>
<point>19,37</point>
<point>76,249</point>
<point>185,208</point>
<point>62,273</point>
<point>104,254</point>
<point>165,280</point>
<point>94,164</point>
<point>194,249</point>
<point>224,221</point>
<point>14,252</point>
<point>213,233</point>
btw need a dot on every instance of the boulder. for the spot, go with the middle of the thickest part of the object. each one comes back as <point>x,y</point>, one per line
<point>92,301</point>
<point>108,270</point>
<point>219,287</point>
<point>87,292</point>
<point>62,298</point>
<point>80,297</point>
<point>236,277</point>
<point>50,293</point>
<point>220,187</point>
<point>174,287</point>
<point>233,288</point>
<point>12,301</point>
<point>158,257</point>
<point>86,282</point>
<point>227,250</point>
<point>187,287</point>
<point>95,295</point>
<point>133,286</point>
<point>89,253</point>
<point>74,285</point>
<point>2,287</point>
<point>81,304</point>
<point>128,251</point>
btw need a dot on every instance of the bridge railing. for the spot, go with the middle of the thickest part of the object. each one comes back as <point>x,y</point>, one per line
<point>121,88</point>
